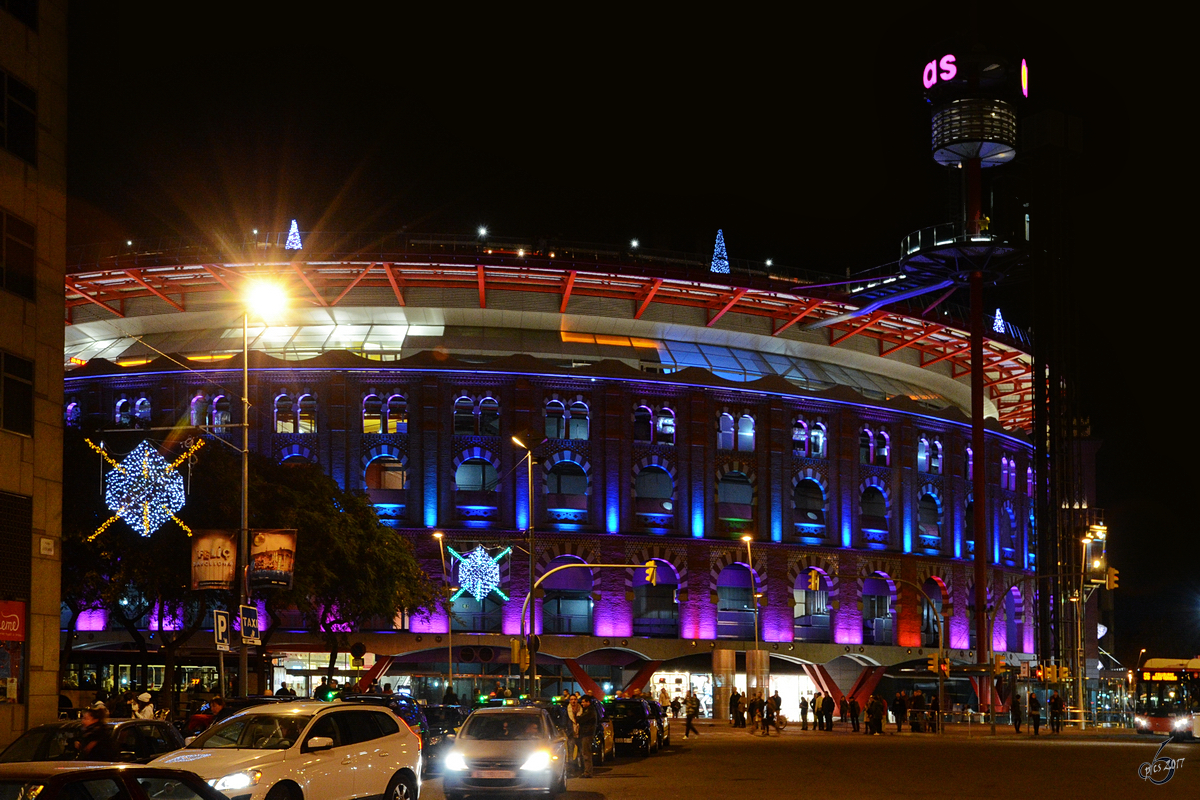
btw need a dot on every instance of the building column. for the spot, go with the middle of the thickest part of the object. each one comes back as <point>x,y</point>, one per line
<point>724,674</point>
<point>758,671</point>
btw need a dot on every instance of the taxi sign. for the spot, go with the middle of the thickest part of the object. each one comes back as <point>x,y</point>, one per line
<point>221,630</point>
<point>250,625</point>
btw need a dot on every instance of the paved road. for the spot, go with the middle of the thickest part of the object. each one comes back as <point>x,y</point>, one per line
<point>810,766</point>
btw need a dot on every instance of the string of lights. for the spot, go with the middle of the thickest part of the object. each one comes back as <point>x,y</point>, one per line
<point>720,259</point>
<point>144,489</point>
<point>479,572</point>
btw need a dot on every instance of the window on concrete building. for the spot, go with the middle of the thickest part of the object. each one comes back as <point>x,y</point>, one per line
<point>653,483</point>
<point>800,437</point>
<point>72,415</point>
<point>655,612</point>
<point>18,261</point>
<point>877,599</point>
<point>810,614</point>
<point>817,440</point>
<point>219,415</point>
<point>922,455</point>
<point>865,443</point>
<point>18,131</point>
<point>386,472</point>
<point>735,487</point>
<point>883,449</point>
<point>929,513</point>
<point>123,413</point>
<point>935,457</point>
<point>198,411</point>
<point>141,413</point>
<point>16,394</point>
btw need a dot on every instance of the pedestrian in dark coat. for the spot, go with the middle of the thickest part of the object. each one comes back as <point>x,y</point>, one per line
<point>900,710</point>
<point>827,704</point>
<point>854,711</point>
<point>818,712</point>
<point>1015,710</point>
<point>587,722</point>
<point>734,702</point>
<point>916,716</point>
<point>1035,712</point>
<point>875,715</point>
<point>692,707</point>
<point>1056,713</point>
<point>803,713</point>
<point>96,742</point>
<point>934,708</point>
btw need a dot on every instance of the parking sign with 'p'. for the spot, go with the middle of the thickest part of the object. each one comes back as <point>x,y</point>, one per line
<point>221,630</point>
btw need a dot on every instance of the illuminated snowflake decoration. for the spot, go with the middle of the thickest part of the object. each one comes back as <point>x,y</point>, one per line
<point>293,240</point>
<point>144,489</point>
<point>479,572</point>
<point>998,322</point>
<point>720,260</point>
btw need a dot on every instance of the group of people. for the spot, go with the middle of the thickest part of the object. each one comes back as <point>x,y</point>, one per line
<point>822,706</point>
<point>755,712</point>
<point>583,719</point>
<point>1057,711</point>
<point>912,709</point>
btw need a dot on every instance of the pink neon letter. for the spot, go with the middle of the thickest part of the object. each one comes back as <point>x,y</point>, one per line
<point>929,76</point>
<point>949,70</point>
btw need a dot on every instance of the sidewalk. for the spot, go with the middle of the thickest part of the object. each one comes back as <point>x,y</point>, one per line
<point>956,729</point>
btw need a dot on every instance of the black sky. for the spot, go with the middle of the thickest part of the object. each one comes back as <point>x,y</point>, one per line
<point>802,135</point>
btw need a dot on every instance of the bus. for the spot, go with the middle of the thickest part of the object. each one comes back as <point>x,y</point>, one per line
<point>1167,697</point>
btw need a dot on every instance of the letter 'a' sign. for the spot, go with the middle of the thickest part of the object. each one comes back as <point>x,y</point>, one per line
<point>221,630</point>
<point>250,625</point>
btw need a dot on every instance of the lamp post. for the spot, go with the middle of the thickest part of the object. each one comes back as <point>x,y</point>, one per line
<point>529,501</point>
<point>753,585</point>
<point>264,299</point>
<point>449,614</point>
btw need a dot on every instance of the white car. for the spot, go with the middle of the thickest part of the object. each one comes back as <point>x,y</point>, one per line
<point>306,751</point>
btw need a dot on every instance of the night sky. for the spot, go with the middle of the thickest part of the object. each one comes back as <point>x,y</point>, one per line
<point>803,136</point>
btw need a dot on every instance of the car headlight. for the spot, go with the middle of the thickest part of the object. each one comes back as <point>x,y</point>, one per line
<point>538,760</point>
<point>455,761</point>
<point>238,780</point>
<point>1139,721</point>
<point>1182,722</point>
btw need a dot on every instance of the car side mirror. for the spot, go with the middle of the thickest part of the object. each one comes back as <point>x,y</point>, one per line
<point>320,743</point>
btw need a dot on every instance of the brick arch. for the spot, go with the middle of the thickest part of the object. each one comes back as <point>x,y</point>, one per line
<point>566,455</point>
<point>886,566</point>
<point>385,451</point>
<point>653,461</point>
<point>477,452</point>
<point>584,551</point>
<point>872,481</point>
<point>943,575</point>
<point>720,561</point>
<point>808,473</point>
<point>827,565</point>
<point>675,556</point>
<point>745,469</point>
<point>296,450</point>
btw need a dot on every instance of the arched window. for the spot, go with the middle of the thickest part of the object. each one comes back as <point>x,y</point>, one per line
<point>567,605</point>
<point>566,477</point>
<point>306,418</point>
<point>123,413</point>
<point>809,502</point>
<point>745,438</point>
<point>929,514</point>
<point>577,424</point>
<point>874,505</point>
<point>198,411</point>
<point>476,475</point>
<point>877,601</point>
<point>935,457</point>
<point>372,414</point>
<point>72,415</point>
<point>922,455</point>
<point>735,603</point>
<point>969,465</point>
<point>489,417</point>
<point>865,443</point>
<point>1012,475</point>
<point>735,497</point>
<point>653,483</point>
<point>218,414</point>
<point>800,437</point>
<point>655,612</point>
<point>641,424</point>
<point>725,432</point>
<point>397,414</point>
<point>1003,472</point>
<point>883,450</point>
<point>386,472</point>
<point>464,417</point>
<point>929,626</point>
<point>1029,481</point>
<point>285,415</point>
<point>664,426</point>
<point>811,612</point>
<point>141,413</point>
<point>817,439</point>
<point>556,420</point>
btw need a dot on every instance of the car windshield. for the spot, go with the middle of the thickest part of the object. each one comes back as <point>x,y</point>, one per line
<point>253,732</point>
<point>443,717</point>
<point>43,744</point>
<point>626,710</point>
<point>501,727</point>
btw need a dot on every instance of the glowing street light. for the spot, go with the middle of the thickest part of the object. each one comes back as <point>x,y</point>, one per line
<point>482,231</point>
<point>633,244</point>
<point>770,262</point>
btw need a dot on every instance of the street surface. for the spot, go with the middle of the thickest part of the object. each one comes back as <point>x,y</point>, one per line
<point>812,765</point>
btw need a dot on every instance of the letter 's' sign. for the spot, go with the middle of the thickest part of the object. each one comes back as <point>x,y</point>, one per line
<point>942,68</point>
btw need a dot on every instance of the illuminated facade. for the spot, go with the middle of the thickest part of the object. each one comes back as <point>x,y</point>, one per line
<point>669,417</point>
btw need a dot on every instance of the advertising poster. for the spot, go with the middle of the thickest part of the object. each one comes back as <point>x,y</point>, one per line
<point>12,650</point>
<point>272,559</point>
<point>214,559</point>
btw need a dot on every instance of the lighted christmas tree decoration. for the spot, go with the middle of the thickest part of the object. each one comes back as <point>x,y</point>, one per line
<point>144,489</point>
<point>720,261</point>
<point>998,322</point>
<point>293,240</point>
<point>479,572</point>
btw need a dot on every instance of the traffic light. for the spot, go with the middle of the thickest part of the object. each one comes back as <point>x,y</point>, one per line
<point>1111,582</point>
<point>944,665</point>
<point>1041,674</point>
<point>999,664</point>
<point>1064,673</point>
<point>651,573</point>
<point>932,663</point>
<point>814,581</point>
<point>518,654</point>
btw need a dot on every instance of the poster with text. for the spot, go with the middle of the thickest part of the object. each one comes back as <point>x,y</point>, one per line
<point>214,559</point>
<point>272,559</point>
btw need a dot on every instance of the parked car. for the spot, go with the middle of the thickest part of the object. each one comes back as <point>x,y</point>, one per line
<point>664,722</point>
<point>604,745</point>
<point>633,724</point>
<point>198,722</point>
<point>402,705</point>
<point>508,751</point>
<point>306,751</point>
<point>138,741</point>
<point>49,780</point>
<point>444,722</point>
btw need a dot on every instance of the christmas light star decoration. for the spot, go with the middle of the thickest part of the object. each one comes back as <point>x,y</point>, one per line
<point>998,322</point>
<point>720,261</point>
<point>293,240</point>
<point>479,572</point>
<point>144,489</point>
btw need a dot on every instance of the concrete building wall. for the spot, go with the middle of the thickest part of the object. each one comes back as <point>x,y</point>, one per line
<point>33,191</point>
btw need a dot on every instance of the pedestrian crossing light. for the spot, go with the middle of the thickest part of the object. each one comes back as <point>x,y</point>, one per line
<point>814,581</point>
<point>651,572</point>
<point>1111,581</point>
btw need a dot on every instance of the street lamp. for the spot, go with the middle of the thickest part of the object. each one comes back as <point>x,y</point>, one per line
<point>449,614</point>
<point>529,511</point>
<point>1139,661</point>
<point>753,584</point>
<point>265,300</point>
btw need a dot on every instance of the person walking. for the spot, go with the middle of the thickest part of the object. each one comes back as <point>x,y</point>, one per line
<point>854,711</point>
<point>803,713</point>
<point>916,717</point>
<point>875,715</point>
<point>768,717</point>
<point>827,704</point>
<point>588,720</point>
<point>1056,713</point>
<point>574,758</point>
<point>1016,712</point>
<point>900,710</point>
<point>1035,712</point>
<point>692,707</point>
<point>734,700</point>
<point>96,742</point>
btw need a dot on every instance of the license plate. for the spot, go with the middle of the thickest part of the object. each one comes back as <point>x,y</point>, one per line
<point>493,773</point>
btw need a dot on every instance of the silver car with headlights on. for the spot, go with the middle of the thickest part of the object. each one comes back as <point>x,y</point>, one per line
<point>513,750</point>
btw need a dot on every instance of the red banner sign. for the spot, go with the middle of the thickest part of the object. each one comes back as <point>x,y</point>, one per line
<point>12,621</point>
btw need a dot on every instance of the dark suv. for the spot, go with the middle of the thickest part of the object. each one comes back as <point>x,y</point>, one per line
<point>633,724</point>
<point>138,741</point>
